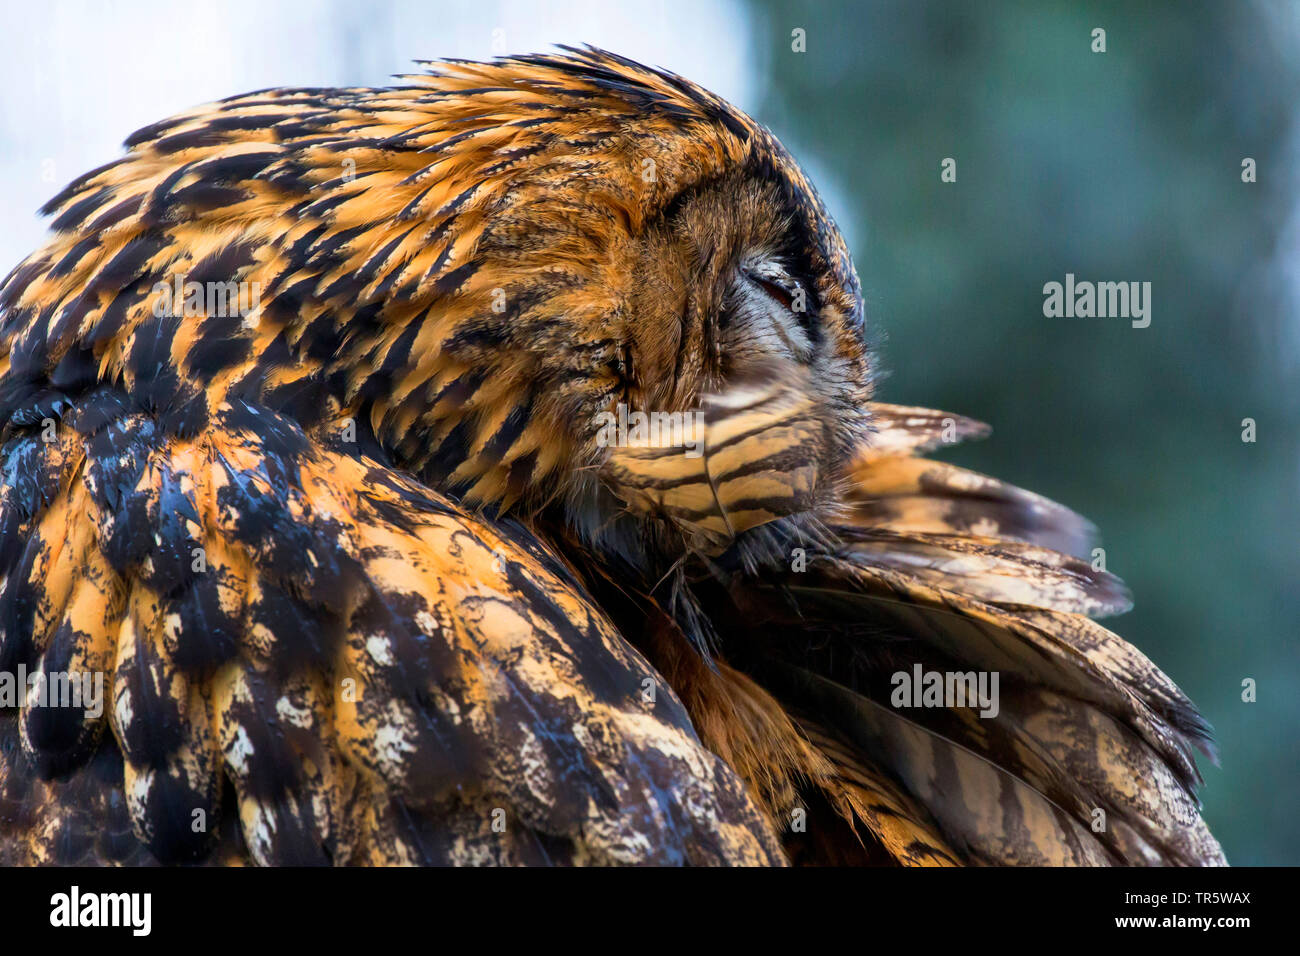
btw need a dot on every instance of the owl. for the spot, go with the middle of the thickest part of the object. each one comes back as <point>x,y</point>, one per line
<point>486,469</point>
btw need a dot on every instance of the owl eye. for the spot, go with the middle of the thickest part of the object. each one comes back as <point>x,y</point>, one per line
<point>790,294</point>
<point>778,291</point>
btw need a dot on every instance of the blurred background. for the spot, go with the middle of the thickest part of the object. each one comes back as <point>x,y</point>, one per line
<point>1117,166</point>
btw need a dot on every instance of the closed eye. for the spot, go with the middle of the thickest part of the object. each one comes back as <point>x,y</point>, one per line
<point>790,294</point>
<point>778,292</point>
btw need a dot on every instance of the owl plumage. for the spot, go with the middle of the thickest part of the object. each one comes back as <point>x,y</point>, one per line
<point>367,584</point>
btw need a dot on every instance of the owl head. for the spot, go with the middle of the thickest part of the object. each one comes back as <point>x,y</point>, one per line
<point>670,294</point>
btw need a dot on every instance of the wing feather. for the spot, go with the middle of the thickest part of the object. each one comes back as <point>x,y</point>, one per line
<point>360,659</point>
<point>1087,756</point>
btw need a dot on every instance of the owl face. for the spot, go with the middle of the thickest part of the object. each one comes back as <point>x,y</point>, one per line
<point>744,317</point>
